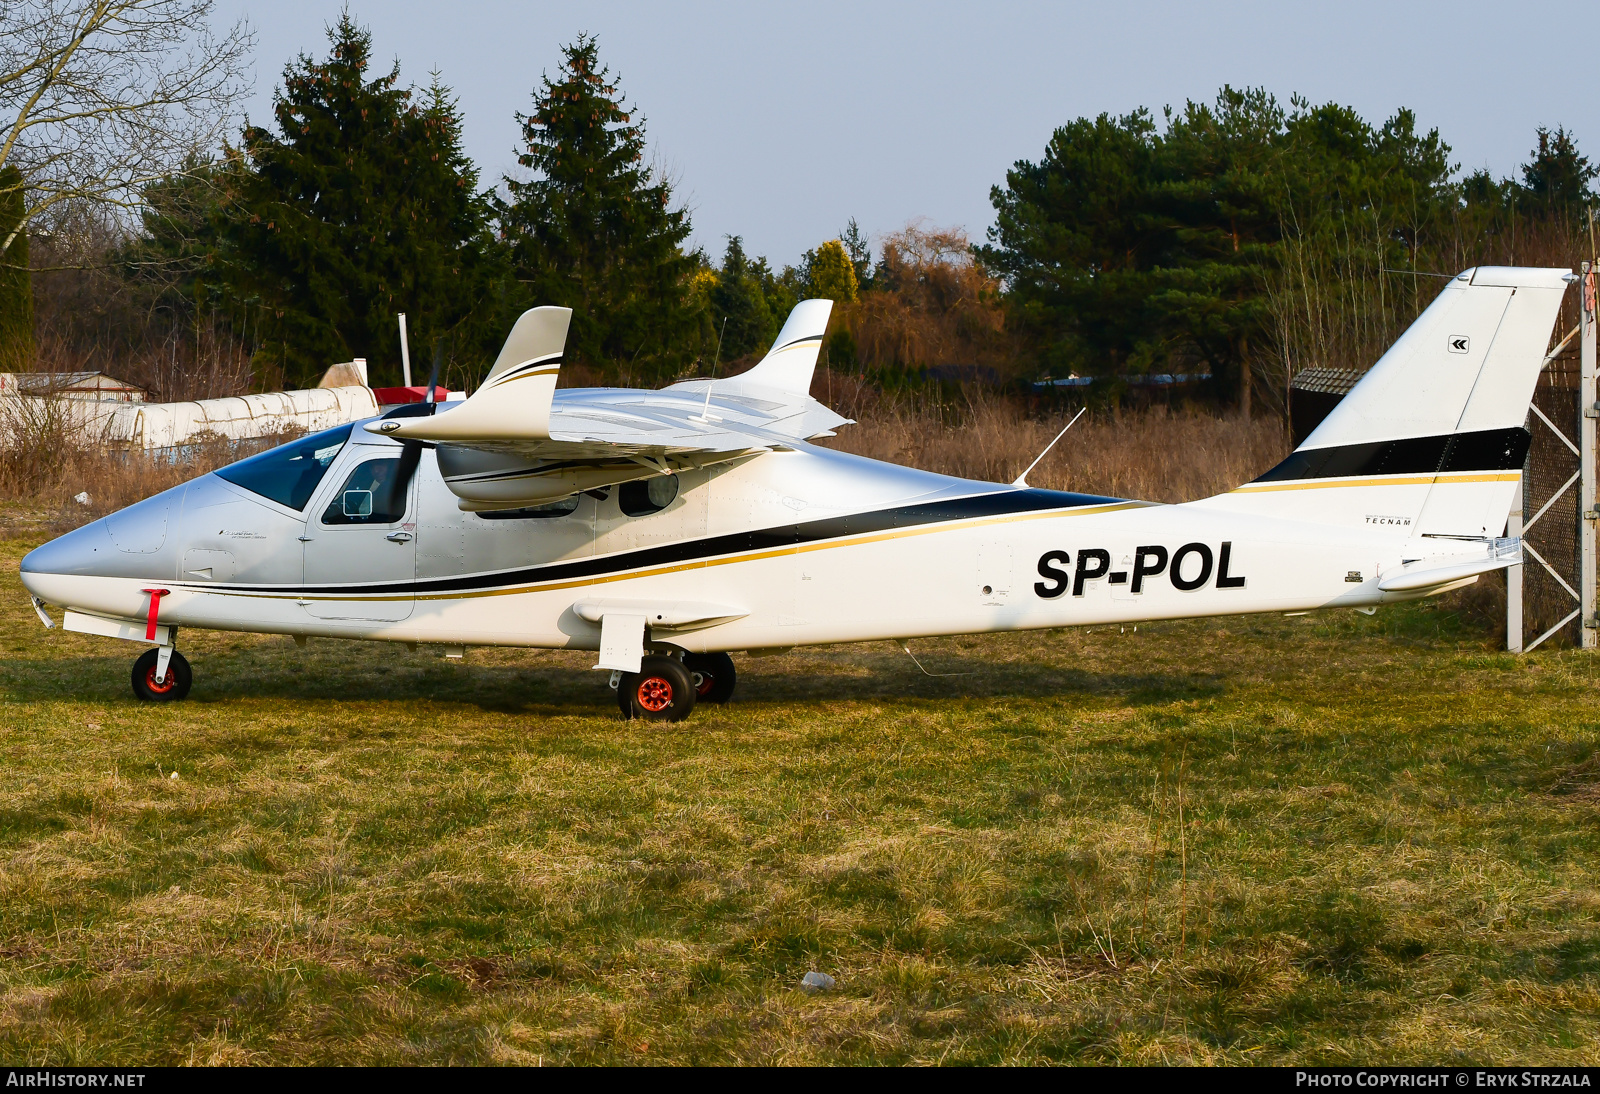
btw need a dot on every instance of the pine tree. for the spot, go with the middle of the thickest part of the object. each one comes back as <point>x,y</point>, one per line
<point>594,229</point>
<point>1557,179</point>
<point>739,309</point>
<point>362,205</point>
<point>860,251</point>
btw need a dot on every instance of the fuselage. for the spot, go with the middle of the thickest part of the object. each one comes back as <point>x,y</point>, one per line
<point>803,546</point>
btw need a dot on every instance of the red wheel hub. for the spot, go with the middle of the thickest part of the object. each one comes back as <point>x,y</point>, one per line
<point>703,683</point>
<point>654,694</point>
<point>164,686</point>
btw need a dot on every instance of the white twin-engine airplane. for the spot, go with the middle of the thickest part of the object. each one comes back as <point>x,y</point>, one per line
<point>666,528</point>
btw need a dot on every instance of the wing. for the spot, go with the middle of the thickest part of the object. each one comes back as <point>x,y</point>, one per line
<point>517,440</point>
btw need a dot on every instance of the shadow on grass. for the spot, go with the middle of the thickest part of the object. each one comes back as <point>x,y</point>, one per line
<point>560,690</point>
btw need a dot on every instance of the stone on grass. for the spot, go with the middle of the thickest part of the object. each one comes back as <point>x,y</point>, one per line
<point>816,981</point>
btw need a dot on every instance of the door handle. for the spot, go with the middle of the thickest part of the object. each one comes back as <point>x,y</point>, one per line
<point>398,537</point>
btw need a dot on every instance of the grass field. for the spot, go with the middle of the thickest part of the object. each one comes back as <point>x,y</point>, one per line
<point>1321,839</point>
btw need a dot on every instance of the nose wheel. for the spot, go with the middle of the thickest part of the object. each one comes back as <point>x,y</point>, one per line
<point>174,685</point>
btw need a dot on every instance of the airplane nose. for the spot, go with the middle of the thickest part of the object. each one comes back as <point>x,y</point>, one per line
<point>83,552</point>
<point>130,543</point>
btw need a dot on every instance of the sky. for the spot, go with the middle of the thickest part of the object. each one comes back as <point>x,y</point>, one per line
<point>780,122</point>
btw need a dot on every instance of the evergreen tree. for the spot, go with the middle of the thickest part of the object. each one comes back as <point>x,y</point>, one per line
<point>1557,179</point>
<point>362,205</point>
<point>1126,248</point>
<point>739,310</point>
<point>1077,238</point>
<point>860,252</point>
<point>1217,181</point>
<point>594,229</point>
<point>16,286</point>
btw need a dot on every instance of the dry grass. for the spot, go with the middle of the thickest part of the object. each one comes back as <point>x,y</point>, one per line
<point>46,465</point>
<point>1317,840</point>
<point>1152,455</point>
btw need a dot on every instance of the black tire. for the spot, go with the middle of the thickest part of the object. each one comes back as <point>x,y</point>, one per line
<point>713,674</point>
<point>625,682</point>
<point>176,686</point>
<point>661,691</point>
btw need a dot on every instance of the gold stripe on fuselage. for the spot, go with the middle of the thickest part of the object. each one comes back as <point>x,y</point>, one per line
<point>1398,480</point>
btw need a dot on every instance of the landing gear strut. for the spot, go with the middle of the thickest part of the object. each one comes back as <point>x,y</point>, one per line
<point>174,685</point>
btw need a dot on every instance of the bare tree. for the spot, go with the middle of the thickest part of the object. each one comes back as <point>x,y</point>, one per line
<point>100,97</point>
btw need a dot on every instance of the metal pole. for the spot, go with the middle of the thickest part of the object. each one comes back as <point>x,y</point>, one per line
<point>405,351</point>
<point>1514,575</point>
<point>1586,451</point>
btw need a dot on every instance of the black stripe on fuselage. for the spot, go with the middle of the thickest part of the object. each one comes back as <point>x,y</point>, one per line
<point>1484,450</point>
<point>1001,503</point>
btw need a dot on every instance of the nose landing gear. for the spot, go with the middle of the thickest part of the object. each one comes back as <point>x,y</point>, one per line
<point>173,686</point>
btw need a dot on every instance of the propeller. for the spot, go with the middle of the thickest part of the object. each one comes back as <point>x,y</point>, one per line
<point>433,380</point>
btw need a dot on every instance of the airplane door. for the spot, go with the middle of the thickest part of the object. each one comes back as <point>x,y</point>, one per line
<point>362,534</point>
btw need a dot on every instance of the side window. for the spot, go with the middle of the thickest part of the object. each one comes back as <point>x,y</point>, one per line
<point>641,497</point>
<point>534,512</point>
<point>375,493</point>
<point>290,473</point>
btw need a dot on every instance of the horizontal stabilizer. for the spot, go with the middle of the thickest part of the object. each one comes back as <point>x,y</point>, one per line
<point>1502,553</point>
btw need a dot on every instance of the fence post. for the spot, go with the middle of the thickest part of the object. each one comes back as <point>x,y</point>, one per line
<point>1587,411</point>
<point>1514,574</point>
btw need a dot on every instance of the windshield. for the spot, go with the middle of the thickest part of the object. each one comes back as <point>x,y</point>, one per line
<point>289,474</point>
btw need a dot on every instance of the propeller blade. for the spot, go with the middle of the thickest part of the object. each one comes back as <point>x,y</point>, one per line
<point>433,380</point>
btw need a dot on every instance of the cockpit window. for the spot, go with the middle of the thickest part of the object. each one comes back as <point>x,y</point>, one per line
<point>641,497</point>
<point>375,493</point>
<point>290,473</point>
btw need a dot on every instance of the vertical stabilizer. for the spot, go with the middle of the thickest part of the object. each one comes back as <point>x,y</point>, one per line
<point>1432,439</point>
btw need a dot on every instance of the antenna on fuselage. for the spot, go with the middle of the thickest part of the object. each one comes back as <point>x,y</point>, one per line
<point>1022,479</point>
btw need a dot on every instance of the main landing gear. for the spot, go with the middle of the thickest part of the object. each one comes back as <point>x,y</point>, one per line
<point>172,686</point>
<point>665,689</point>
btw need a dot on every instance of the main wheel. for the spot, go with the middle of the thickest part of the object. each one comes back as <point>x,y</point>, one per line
<point>174,687</point>
<point>713,676</point>
<point>661,691</point>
